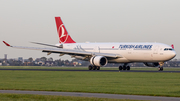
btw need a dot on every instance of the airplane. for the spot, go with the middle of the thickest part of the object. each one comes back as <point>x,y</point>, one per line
<point>99,54</point>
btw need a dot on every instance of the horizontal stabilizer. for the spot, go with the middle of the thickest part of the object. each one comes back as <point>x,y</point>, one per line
<point>61,46</point>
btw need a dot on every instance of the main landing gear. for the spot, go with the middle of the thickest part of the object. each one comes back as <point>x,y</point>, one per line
<point>124,67</point>
<point>91,67</point>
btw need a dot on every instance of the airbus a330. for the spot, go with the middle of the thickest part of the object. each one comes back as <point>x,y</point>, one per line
<point>99,54</point>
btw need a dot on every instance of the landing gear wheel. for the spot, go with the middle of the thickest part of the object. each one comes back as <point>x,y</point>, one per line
<point>160,68</point>
<point>90,67</point>
<point>120,67</point>
<point>124,67</point>
<point>98,68</point>
<point>94,67</point>
<point>128,67</point>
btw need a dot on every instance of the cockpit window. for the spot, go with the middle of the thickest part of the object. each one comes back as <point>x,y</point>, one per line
<point>166,49</point>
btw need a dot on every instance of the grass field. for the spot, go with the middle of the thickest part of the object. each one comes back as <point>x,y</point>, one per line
<point>28,97</point>
<point>154,84</point>
<point>86,68</point>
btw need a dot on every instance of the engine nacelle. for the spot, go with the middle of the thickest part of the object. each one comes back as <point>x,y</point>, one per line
<point>149,64</point>
<point>98,61</point>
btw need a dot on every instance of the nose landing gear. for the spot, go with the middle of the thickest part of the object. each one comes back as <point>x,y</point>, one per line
<point>161,66</point>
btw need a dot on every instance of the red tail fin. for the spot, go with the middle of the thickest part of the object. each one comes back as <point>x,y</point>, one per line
<point>172,46</point>
<point>64,37</point>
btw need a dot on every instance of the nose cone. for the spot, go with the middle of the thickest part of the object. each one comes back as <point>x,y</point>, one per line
<point>173,54</point>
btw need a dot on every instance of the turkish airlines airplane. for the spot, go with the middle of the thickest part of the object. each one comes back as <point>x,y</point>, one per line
<point>99,54</point>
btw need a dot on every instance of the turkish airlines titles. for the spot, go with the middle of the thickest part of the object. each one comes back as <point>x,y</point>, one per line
<point>135,47</point>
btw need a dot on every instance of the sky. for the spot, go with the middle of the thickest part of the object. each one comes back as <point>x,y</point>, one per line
<point>24,21</point>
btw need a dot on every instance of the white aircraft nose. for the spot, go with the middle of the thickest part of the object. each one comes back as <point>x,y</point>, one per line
<point>173,54</point>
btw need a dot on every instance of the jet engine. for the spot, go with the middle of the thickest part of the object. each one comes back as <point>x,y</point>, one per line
<point>149,64</point>
<point>98,61</point>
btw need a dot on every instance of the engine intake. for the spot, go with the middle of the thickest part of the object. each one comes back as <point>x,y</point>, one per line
<point>155,64</point>
<point>98,61</point>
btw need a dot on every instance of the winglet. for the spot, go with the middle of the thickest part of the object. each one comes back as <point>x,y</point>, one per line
<point>172,46</point>
<point>6,43</point>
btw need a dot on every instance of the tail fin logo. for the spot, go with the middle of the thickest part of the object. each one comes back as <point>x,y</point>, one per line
<point>63,35</point>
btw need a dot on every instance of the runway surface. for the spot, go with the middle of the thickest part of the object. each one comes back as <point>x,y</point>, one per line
<point>97,95</point>
<point>93,70</point>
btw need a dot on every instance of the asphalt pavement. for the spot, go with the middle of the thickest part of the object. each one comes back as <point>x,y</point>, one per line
<point>97,95</point>
<point>93,70</point>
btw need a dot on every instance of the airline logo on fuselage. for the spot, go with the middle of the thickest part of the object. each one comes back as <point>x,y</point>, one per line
<point>135,47</point>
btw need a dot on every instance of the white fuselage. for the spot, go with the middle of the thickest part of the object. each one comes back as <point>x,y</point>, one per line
<point>130,52</point>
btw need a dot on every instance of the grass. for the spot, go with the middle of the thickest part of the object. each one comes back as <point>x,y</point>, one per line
<point>154,84</point>
<point>86,68</point>
<point>29,97</point>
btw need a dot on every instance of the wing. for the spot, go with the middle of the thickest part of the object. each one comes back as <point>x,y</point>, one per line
<point>60,46</point>
<point>67,51</point>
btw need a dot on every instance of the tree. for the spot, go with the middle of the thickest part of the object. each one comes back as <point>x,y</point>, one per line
<point>43,59</point>
<point>50,59</point>
<point>30,59</point>
<point>66,62</point>
<point>58,62</point>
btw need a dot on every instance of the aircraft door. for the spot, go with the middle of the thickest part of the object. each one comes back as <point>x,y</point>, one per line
<point>155,50</point>
<point>96,49</point>
<point>130,51</point>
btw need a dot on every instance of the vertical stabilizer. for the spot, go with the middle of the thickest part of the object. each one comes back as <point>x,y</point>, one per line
<point>64,37</point>
<point>172,46</point>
